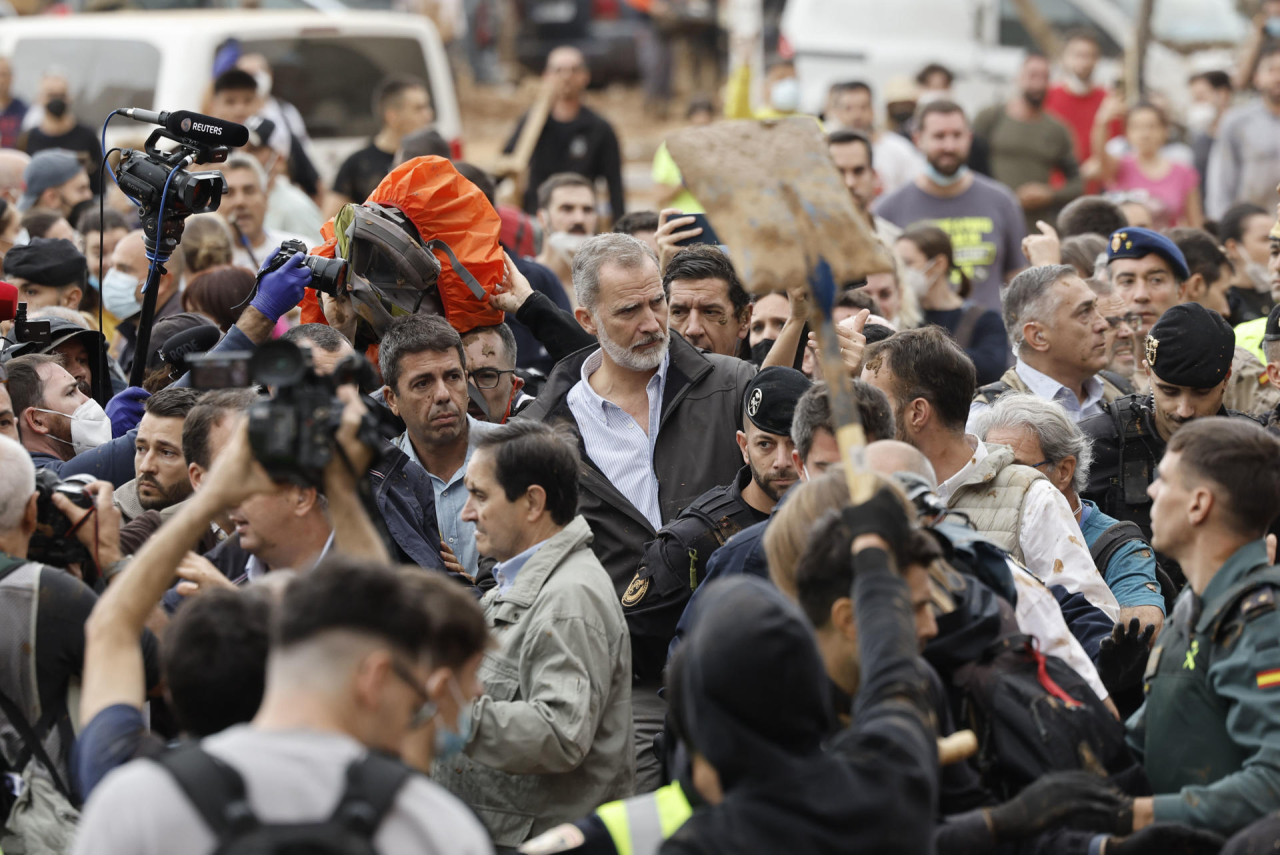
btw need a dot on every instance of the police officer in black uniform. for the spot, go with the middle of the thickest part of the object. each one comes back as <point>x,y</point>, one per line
<point>1188,354</point>
<point>675,562</point>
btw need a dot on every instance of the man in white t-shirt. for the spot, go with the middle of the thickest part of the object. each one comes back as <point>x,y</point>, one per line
<point>349,670</point>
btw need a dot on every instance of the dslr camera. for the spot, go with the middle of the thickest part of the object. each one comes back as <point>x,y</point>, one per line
<point>292,433</point>
<point>52,542</point>
<point>327,274</point>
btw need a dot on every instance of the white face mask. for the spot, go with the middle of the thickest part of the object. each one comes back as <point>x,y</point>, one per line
<point>785,95</point>
<point>1200,117</point>
<point>263,79</point>
<point>917,280</point>
<point>118,290</point>
<point>566,243</point>
<point>90,426</point>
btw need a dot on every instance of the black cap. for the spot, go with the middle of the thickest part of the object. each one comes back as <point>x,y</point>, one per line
<point>47,261</point>
<point>166,328</point>
<point>1273,325</point>
<point>1191,346</point>
<point>771,396</point>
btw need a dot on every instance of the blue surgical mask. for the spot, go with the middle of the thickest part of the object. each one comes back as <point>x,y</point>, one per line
<point>450,743</point>
<point>93,283</point>
<point>944,180</point>
<point>1273,27</point>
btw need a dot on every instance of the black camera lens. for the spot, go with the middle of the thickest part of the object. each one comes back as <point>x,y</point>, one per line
<point>279,363</point>
<point>327,274</point>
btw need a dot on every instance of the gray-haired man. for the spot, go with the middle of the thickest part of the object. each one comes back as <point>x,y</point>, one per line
<point>1060,339</point>
<point>658,423</point>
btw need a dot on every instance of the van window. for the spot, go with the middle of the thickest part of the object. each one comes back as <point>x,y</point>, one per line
<point>1186,24</point>
<point>103,73</point>
<point>332,80</point>
<point>1061,14</point>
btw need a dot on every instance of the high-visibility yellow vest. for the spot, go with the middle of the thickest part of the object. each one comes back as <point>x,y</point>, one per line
<point>638,825</point>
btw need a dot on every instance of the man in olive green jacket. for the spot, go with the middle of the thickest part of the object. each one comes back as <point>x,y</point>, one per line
<point>552,736</point>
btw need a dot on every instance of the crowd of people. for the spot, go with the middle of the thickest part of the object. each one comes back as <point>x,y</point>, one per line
<point>532,532</point>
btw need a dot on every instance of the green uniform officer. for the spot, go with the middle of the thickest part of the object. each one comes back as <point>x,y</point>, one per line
<point>1209,729</point>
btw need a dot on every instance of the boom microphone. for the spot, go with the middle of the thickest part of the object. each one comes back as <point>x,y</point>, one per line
<point>193,126</point>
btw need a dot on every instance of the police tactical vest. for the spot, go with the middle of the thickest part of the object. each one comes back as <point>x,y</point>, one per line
<point>1185,718</point>
<point>992,498</point>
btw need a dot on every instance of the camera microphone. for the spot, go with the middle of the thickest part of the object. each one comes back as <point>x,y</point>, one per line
<point>8,301</point>
<point>194,126</point>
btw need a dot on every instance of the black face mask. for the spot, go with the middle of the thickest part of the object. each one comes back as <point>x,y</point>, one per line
<point>57,107</point>
<point>901,117</point>
<point>760,350</point>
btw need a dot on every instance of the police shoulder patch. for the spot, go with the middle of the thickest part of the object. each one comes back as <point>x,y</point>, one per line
<point>635,591</point>
<point>1258,603</point>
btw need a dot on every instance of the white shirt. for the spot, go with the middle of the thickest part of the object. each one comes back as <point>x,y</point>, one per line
<point>270,242</point>
<point>619,447</point>
<point>1045,387</point>
<point>1051,540</point>
<point>255,569</point>
<point>897,162</point>
<point>1039,615</point>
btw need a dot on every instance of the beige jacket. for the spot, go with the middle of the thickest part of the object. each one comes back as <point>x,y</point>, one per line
<point>553,735</point>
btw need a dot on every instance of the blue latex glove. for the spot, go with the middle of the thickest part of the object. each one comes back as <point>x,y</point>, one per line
<point>125,410</point>
<point>281,290</point>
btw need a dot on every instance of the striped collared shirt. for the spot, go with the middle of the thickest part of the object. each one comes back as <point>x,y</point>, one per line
<point>615,443</point>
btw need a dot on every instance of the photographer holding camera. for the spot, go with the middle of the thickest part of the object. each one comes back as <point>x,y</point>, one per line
<point>43,610</point>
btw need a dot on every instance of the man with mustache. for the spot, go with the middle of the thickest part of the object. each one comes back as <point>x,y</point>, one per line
<point>657,421</point>
<point>1188,362</point>
<point>161,480</point>
<point>1027,145</point>
<point>424,367</point>
<point>567,214</point>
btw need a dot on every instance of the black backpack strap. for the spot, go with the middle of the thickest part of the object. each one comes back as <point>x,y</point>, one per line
<point>1119,381</point>
<point>32,746</point>
<point>214,789</point>
<point>1116,536</point>
<point>968,324</point>
<point>373,782</point>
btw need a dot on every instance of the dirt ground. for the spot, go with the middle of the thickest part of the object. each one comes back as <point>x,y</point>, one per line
<point>489,115</point>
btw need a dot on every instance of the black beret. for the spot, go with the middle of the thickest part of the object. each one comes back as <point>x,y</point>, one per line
<point>1272,332</point>
<point>1191,346</point>
<point>1133,242</point>
<point>771,396</point>
<point>47,261</point>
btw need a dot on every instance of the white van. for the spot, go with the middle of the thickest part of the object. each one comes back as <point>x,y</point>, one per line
<point>983,42</point>
<point>326,64</point>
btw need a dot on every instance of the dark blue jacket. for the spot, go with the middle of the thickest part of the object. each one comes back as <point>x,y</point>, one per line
<point>112,461</point>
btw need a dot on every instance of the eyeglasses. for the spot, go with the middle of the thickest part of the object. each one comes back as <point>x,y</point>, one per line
<point>1041,463</point>
<point>487,378</point>
<point>1133,319</point>
<point>428,709</point>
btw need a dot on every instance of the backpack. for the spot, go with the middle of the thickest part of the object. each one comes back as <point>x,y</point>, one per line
<point>1116,536</point>
<point>39,810</point>
<point>1033,715</point>
<point>218,793</point>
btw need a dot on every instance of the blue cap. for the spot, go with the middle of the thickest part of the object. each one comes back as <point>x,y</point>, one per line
<point>1133,242</point>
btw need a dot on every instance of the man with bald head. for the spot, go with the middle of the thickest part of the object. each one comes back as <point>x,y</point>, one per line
<point>122,289</point>
<point>574,138</point>
<point>12,164</point>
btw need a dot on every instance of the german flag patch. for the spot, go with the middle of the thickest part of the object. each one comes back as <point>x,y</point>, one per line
<point>1269,679</point>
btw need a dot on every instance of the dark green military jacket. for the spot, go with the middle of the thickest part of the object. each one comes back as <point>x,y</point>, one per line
<point>1209,729</point>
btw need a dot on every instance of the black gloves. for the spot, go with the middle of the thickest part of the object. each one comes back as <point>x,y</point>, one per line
<point>1122,658</point>
<point>1167,839</point>
<point>1075,799</point>
<point>883,515</point>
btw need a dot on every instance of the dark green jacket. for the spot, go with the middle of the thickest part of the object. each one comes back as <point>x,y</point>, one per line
<point>1209,731</point>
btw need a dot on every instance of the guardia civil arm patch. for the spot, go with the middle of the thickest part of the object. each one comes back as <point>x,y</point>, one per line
<point>1269,679</point>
